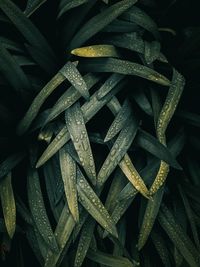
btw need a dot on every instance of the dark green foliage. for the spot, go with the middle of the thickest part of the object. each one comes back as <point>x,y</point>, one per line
<point>99,140</point>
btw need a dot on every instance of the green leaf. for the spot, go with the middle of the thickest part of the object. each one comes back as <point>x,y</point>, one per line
<point>132,41</point>
<point>118,150</point>
<point>38,102</point>
<point>123,67</point>
<point>8,204</point>
<point>33,242</point>
<point>68,170</point>
<point>138,16</point>
<point>71,96</point>
<point>118,25</point>
<point>119,122</point>
<point>152,145</point>
<point>32,6</point>
<point>38,210</point>
<point>109,84</point>
<point>152,51</point>
<point>11,45</point>
<point>126,164</point>
<point>27,28</point>
<point>109,260</point>
<point>178,237</point>
<point>116,186</point>
<point>50,172</point>
<point>150,214</point>
<point>66,5</point>
<point>90,201</point>
<point>98,22</point>
<point>78,133</point>
<point>167,111</point>
<point>190,216</point>
<point>40,58</point>
<point>70,72</point>
<point>62,234</point>
<point>84,241</point>
<point>9,163</point>
<point>89,110</point>
<point>161,248</point>
<point>12,71</point>
<point>141,99</point>
<point>96,51</point>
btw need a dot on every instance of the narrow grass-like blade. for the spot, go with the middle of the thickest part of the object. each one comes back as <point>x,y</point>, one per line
<point>89,109</point>
<point>118,150</point>
<point>138,16</point>
<point>108,259</point>
<point>167,111</point>
<point>71,73</point>
<point>66,5</point>
<point>78,133</point>
<point>123,67</point>
<point>62,234</point>
<point>161,248</point>
<point>90,201</point>
<point>38,102</point>
<point>71,96</point>
<point>9,163</point>
<point>84,241</point>
<point>179,238</point>
<point>152,145</point>
<point>27,28</point>
<point>32,6</point>
<point>12,71</point>
<point>8,204</point>
<point>98,22</point>
<point>119,121</point>
<point>152,51</point>
<point>150,214</point>
<point>38,210</point>
<point>68,170</point>
<point>190,216</point>
<point>96,51</point>
<point>109,84</point>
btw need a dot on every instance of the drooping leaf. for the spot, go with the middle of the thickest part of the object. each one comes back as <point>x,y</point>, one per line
<point>161,248</point>
<point>78,133</point>
<point>179,238</point>
<point>12,71</point>
<point>71,96</point>
<point>84,241</point>
<point>68,170</point>
<point>8,204</point>
<point>9,163</point>
<point>38,210</point>
<point>123,67</point>
<point>150,214</point>
<point>108,259</point>
<point>62,234</point>
<point>27,28</point>
<point>152,145</point>
<point>96,51</point>
<point>32,6</point>
<point>90,201</point>
<point>118,150</point>
<point>98,22</point>
<point>119,121</point>
<point>168,109</point>
<point>89,109</point>
<point>109,84</point>
<point>70,72</point>
<point>66,5</point>
<point>138,16</point>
